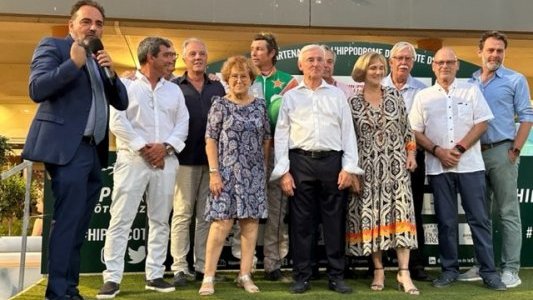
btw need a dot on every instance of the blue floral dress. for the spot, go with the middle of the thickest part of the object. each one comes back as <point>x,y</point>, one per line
<point>240,131</point>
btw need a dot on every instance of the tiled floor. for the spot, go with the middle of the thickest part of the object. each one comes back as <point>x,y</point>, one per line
<point>10,262</point>
<point>9,278</point>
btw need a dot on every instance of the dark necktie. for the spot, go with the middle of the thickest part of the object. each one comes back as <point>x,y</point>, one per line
<point>100,105</point>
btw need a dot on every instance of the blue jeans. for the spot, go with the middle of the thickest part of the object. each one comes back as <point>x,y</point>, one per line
<point>471,187</point>
<point>502,200</point>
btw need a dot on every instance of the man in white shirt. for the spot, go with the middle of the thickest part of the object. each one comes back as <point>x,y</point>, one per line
<point>149,133</point>
<point>448,119</point>
<point>316,158</point>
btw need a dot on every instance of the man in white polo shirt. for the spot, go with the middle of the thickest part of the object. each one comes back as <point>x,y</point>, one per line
<point>448,119</point>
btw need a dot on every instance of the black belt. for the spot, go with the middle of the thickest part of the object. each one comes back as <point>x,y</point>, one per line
<point>492,145</point>
<point>88,139</point>
<point>314,154</point>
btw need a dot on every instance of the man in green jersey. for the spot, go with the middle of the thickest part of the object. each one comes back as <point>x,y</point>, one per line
<point>271,84</point>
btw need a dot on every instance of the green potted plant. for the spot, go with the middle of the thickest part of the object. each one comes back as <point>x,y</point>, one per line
<point>12,192</point>
<point>5,150</point>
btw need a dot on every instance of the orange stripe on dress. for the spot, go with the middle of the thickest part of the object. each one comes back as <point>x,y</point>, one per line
<point>370,234</point>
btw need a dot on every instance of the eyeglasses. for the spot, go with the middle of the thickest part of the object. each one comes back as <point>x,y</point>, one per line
<point>442,63</point>
<point>238,77</point>
<point>403,58</point>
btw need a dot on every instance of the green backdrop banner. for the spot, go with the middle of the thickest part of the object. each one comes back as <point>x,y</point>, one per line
<point>92,250</point>
<point>347,53</point>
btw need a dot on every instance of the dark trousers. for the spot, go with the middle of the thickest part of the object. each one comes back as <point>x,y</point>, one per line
<point>317,193</point>
<point>417,258</point>
<point>471,187</point>
<point>76,188</point>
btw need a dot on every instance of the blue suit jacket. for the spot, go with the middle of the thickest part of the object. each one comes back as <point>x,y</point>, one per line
<point>64,95</point>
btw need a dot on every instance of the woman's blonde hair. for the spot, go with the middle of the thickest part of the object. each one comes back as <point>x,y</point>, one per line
<point>361,65</point>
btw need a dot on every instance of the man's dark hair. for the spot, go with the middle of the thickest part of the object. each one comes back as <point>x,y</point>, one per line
<point>150,45</point>
<point>272,45</point>
<point>81,3</point>
<point>492,34</point>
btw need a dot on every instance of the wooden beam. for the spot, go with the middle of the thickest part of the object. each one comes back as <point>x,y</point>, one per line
<point>59,30</point>
<point>431,44</point>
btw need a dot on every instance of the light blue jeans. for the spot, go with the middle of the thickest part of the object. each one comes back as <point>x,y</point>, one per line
<point>502,201</point>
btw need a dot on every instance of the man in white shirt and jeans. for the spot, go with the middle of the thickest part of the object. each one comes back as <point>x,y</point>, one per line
<point>316,158</point>
<point>149,132</point>
<point>448,118</point>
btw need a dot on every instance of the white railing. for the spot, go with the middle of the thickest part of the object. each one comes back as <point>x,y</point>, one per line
<point>26,165</point>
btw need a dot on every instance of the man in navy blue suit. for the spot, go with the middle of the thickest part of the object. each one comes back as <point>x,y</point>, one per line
<point>66,134</point>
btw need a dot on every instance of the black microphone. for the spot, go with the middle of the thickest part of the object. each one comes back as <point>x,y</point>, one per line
<point>93,46</point>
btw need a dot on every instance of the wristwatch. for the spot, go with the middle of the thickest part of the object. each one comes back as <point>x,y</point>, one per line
<point>460,148</point>
<point>170,150</point>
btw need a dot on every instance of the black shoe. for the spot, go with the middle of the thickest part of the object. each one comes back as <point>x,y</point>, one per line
<point>443,281</point>
<point>274,275</point>
<point>75,297</point>
<point>299,287</point>
<point>339,286</point>
<point>159,285</point>
<point>495,284</point>
<point>108,291</point>
<point>180,279</point>
<point>419,274</point>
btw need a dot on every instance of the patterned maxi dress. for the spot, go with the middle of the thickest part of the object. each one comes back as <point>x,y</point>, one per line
<point>382,217</point>
<point>240,131</point>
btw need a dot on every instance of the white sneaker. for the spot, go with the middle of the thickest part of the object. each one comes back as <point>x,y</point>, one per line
<point>471,275</point>
<point>511,279</point>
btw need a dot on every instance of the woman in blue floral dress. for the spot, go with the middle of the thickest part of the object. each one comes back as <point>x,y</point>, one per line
<point>237,140</point>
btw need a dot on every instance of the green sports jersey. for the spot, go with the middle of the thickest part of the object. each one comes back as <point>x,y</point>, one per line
<point>271,88</point>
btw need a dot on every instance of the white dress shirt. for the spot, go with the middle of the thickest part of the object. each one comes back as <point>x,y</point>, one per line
<point>153,116</point>
<point>445,118</point>
<point>318,120</point>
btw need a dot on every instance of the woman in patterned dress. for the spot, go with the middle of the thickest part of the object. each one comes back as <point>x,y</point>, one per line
<point>237,141</point>
<point>380,213</point>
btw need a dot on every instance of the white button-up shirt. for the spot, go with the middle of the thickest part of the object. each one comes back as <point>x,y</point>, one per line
<point>153,116</point>
<point>318,120</point>
<point>445,118</point>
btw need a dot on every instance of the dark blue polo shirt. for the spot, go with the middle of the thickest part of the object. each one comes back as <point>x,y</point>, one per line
<point>198,105</point>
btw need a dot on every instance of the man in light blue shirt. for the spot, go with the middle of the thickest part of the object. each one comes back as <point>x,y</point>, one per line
<point>401,62</point>
<point>507,94</point>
